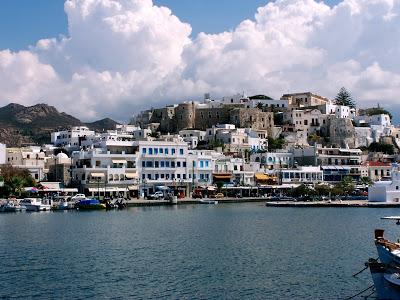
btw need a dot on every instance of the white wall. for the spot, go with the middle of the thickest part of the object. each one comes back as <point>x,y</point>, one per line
<point>2,154</point>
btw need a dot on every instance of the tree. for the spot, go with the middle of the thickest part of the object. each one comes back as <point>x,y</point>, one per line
<point>346,185</point>
<point>274,144</point>
<point>381,147</point>
<point>220,184</point>
<point>16,179</point>
<point>378,111</point>
<point>366,181</point>
<point>344,98</point>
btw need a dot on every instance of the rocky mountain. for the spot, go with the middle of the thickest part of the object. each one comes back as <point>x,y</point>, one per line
<point>21,125</point>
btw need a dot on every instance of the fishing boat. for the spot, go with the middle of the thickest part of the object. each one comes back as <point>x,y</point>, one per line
<point>388,251</point>
<point>35,204</point>
<point>89,204</point>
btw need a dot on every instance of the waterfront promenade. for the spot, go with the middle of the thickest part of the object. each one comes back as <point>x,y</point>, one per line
<point>340,203</point>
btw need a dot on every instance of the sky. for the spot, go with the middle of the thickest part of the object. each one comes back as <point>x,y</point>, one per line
<point>98,58</point>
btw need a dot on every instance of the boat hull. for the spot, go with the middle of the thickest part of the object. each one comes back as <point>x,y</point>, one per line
<point>384,288</point>
<point>386,256</point>
<point>37,207</point>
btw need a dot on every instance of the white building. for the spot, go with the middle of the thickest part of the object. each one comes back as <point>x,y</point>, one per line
<point>71,138</point>
<point>2,154</point>
<point>306,175</point>
<point>106,172</point>
<point>381,120</point>
<point>30,158</point>
<point>164,163</point>
<point>386,191</point>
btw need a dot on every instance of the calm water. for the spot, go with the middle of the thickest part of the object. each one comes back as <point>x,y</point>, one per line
<point>231,251</point>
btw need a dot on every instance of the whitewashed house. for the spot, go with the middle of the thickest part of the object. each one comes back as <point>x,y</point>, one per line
<point>386,191</point>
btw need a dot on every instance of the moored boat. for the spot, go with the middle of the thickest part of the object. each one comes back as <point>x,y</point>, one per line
<point>11,206</point>
<point>89,204</point>
<point>386,279</point>
<point>389,252</point>
<point>35,204</point>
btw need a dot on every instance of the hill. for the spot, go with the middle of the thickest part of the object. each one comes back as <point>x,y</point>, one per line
<point>22,125</point>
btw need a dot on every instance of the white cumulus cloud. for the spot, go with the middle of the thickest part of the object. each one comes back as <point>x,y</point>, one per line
<point>121,56</point>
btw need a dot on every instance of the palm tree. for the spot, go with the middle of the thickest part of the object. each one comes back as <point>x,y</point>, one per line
<point>16,184</point>
<point>344,98</point>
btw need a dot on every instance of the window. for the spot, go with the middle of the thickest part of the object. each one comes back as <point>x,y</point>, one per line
<point>156,164</point>
<point>207,163</point>
<point>178,176</point>
<point>161,150</point>
<point>155,150</point>
<point>162,176</point>
<point>167,164</point>
<point>181,151</point>
<point>150,151</point>
<point>166,151</point>
<point>184,176</point>
<point>172,164</point>
<point>156,175</point>
<point>162,164</point>
<point>201,164</point>
<point>149,164</point>
<point>149,176</point>
<point>173,151</point>
<point>143,150</point>
<point>178,164</point>
<point>143,176</point>
<point>194,164</point>
<point>143,164</point>
<point>184,164</point>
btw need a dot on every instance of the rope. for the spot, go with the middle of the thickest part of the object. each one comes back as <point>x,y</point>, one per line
<point>354,275</point>
<point>369,295</point>
<point>358,294</point>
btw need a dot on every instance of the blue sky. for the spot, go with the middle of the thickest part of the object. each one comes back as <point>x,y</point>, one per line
<point>24,22</point>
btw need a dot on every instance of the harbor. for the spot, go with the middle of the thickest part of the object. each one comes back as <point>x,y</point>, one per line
<point>171,251</point>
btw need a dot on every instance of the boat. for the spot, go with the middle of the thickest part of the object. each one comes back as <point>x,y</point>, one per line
<point>10,206</point>
<point>34,204</point>
<point>386,279</point>
<point>208,201</point>
<point>89,204</point>
<point>61,205</point>
<point>389,252</point>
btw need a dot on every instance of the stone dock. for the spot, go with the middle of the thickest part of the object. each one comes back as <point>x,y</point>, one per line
<point>344,203</point>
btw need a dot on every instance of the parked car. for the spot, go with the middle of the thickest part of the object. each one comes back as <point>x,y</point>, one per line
<point>197,195</point>
<point>219,195</point>
<point>78,197</point>
<point>157,196</point>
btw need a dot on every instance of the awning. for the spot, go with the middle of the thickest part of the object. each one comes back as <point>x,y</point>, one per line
<point>108,189</point>
<point>211,188</point>
<point>119,161</point>
<point>97,175</point>
<point>222,176</point>
<point>131,175</point>
<point>261,177</point>
<point>133,188</point>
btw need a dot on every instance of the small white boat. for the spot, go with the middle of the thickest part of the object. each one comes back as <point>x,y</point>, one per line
<point>35,204</point>
<point>208,201</point>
